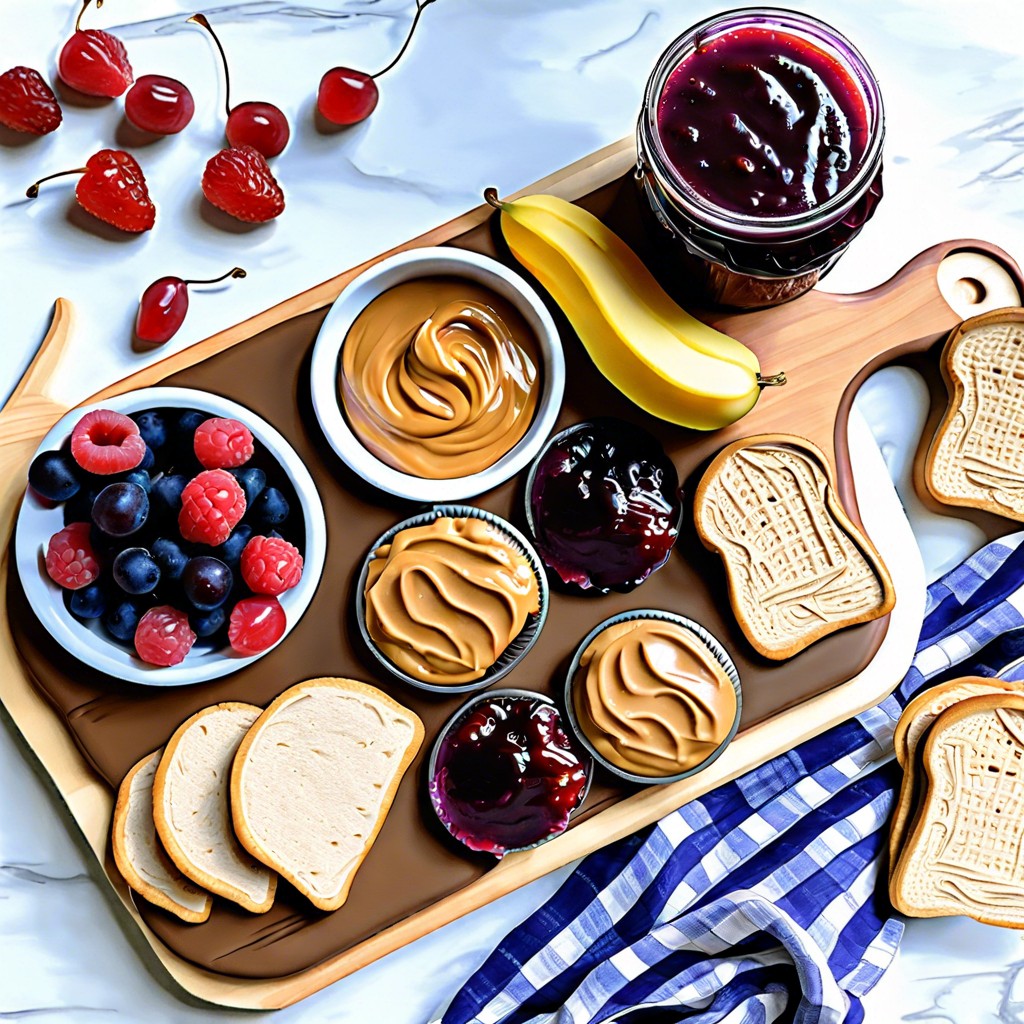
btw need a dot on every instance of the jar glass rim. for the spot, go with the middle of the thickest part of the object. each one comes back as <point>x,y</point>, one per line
<point>799,24</point>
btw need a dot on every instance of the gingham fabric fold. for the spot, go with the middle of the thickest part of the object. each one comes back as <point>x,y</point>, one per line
<point>764,900</point>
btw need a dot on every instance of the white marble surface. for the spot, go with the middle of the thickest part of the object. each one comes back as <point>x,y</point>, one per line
<point>492,93</point>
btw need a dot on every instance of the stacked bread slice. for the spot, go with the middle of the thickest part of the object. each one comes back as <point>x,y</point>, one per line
<point>216,811</point>
<point>957,834</point>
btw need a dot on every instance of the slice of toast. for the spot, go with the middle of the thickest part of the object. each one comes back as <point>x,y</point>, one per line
<point>797,567</point>
<point>139,855</point>
<point>976,457</point>
<point>911,728</point>
<point>314,779</point>
<point>192,807</point>
<point>963,853</point>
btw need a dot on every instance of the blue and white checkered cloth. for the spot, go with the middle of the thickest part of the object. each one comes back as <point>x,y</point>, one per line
<point>760,901</point>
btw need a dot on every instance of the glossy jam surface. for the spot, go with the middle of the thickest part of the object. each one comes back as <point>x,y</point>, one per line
<point>506,775</point>
<point>759,121</point>
<point>605,505</point>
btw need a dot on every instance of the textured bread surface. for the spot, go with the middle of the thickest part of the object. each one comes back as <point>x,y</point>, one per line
<point>139,855</point>
<point>192,807</point>
<point>963,854</point>
<point>314,780</point>
<point>977,455</point>
<point>912,727</point>
<point>797,568</point>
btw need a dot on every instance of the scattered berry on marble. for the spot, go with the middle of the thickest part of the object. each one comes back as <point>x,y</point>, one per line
<point>212,505</point>
<point>163,636</point>
<point>54,475</point>
<point>27,103</point>
<point>239,182</point>
<point>256,624</point>
<point>112,188</point>
<point>71,561</point>
<point>104,442</point>
<point>222,443</point>
<point>94,62</point>
<point>271,565</point>
<point>164,304</point>
<point>159,105</point>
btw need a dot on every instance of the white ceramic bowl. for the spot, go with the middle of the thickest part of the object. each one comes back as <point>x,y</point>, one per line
<point>87,641</point>
<point>358,294</point>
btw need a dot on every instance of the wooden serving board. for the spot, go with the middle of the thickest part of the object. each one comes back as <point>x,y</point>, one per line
<point>826,344</point>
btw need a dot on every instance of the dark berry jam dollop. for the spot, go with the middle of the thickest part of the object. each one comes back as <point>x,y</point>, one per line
<point>604,505</point>
<point>762,122</point>
<point>505,775</point>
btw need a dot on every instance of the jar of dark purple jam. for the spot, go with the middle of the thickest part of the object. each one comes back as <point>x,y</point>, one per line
<point>760,154</point>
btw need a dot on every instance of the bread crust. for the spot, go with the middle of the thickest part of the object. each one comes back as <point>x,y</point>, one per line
<point>712,539</point>
<point>124,863</point>
<point>238,814</point>
<point>908,860</point>
<point>174,850</point>
<point>942,487</point>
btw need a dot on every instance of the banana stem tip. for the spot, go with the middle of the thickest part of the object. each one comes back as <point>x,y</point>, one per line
<point>491,198</point>
<point>774,381</point>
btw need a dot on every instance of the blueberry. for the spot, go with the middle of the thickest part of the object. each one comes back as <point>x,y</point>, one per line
<point>152,427</point>
<point>252,481</point>
<point>231,550</point>
<point>54,475</point>
<point>120,509</point>
<point>166,494</point>
<point>120,621</point>
<point>207,581</point>
<point>148,459</point>
<point>79,508</point>
<point>139,476</point>
<point>169,556</point>
<point>88,603</point>
<point>270,508</point>
<point>135,571</point>
<point>188,420</point>
<point>207,623</point>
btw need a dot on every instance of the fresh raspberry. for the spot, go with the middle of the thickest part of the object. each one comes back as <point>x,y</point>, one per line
<point>163,636</point>
<point>27,103</point>
<point>240,182</point>
<point>70,559</point>
<point>211,506</point>
<point>222,443</point>
<point>270,565</point>
<point>256,624</point>
<point>106,442</point>
<point>113,188</point>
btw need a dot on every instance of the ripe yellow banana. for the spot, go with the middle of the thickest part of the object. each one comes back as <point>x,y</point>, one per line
<point>655,353</point>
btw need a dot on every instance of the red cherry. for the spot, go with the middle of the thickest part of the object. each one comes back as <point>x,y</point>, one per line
<point>94,62</point>
<point>27,103</point>
<point>346,96</point>
<point>159,105</point>
<point>259,125</point>
<point>240,182</point>
<point>112,188</point>
<point>164,304</point>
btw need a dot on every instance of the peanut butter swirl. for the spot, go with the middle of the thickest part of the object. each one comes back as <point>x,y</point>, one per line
<point>444,600</point>
<point>439,377</point>
<point>651,698</point>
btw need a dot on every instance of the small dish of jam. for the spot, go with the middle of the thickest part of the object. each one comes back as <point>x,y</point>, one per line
<point>504,775</point>
<point>603,505</point>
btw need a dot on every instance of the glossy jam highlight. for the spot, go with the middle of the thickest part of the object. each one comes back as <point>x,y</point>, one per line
<point>439,377</point>
<point>761,122</point>
<point>506,775</point>
<point>604,505</point>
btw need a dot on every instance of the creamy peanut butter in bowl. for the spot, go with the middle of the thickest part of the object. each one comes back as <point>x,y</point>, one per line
<point>437,374</point>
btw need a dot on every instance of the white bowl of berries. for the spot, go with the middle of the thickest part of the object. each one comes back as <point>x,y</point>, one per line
<point>168,536</point>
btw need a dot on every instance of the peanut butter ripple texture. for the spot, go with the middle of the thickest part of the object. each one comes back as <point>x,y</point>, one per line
<point>651,698</point>
<point>444,600</point>
<point>439,377</point>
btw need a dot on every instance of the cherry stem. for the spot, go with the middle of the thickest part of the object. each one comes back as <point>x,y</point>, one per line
<point>202,20</point>
<point>78,20</point>
<point>235,272</point>
<point>33,190</point>
<point>491,198</point>
<point>421,4</point>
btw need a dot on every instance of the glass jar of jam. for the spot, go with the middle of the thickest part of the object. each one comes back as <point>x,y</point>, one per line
<point>759,150</point>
